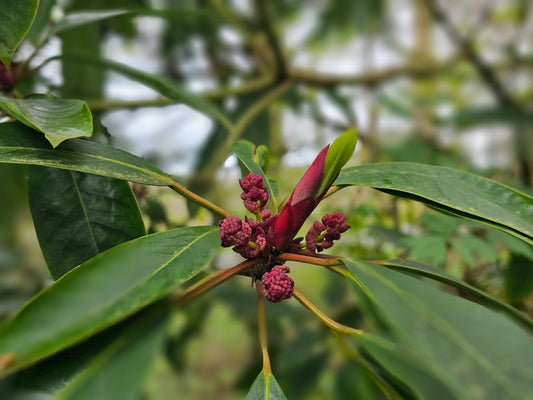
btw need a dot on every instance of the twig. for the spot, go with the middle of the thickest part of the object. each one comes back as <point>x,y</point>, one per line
<point>337,327</point>
<point>371,78</point>
<point>198,199</point>
<point>316,260</point>
<point>280,64</point>
<point>212,280</point>
<point>485,72</point>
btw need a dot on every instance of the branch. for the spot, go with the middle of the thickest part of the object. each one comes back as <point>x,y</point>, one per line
<point>238,129</point>
<point>216,94</point>
<point>485,72</point>
<point>372,78</point>
<point>280,64</point>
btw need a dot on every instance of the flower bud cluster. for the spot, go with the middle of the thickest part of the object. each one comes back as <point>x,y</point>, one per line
<point>259,236</point>
<point>255,194</point>
<point>248,237</point>
<point>322,234</point>
<point>277,285</point>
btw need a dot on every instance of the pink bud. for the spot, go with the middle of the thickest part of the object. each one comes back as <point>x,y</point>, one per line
<point>255,194</point>
<point>277,285</point>
<point>300,205</point>
<point>233,231</point>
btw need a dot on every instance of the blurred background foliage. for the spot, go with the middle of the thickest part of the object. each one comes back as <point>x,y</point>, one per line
<point>438,82</point>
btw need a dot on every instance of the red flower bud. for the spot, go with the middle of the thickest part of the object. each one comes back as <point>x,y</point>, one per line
<point>255,194</point>
<point>233,231</point>
<point>277,285</point>
<point>300,205</point>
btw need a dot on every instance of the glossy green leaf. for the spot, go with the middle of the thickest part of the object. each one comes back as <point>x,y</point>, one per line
<point>470,348</point>
<point>58,119</point>
<point>50,375</point>
<point>423,380</point>
<point>20,145</point>
<point>265,387</point>
<point>167,87</point>
<point>338,155</point>
<point>451,191</point>
<point>77,19</point>
<point>104,290</point>
<point>77,216</point>
<point>244,150</point>
<point>119,371</point>
<point>470,291</point>
<point>16,17</point>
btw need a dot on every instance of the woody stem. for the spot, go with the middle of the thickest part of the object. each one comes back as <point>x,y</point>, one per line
<point>212,280</point>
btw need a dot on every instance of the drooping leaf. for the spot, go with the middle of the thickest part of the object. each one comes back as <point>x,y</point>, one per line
<point>16,17</point>
<point>470,348</point>
<point>104,290</point>
<point>168,88</point>
<point>244,150</point>
<point>58,119</point>
<point>338,155</point>
<point>20,145</point>
<point>451,191</point>
<point>77,216</point>
<point>119,371</point>
<point>470,291</point>
<point>77,19</point>
<point>265,387</point>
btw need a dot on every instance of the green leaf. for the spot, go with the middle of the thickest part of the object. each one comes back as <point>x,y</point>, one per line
<point>77,216</point>
<point>20,145</point>
<point>53,373</point>
<point>58,119</point>
<point>17,17</point>
<point>168,88</point>
<point>423,380</point>
<point>427,248</point>
<point>338,155</point>
<point>244,150</point>
<point>479,296</point>
<point>119,371</point>
<point>104,290</point>
<point>469,245</point>
<point>518,278</point>
<point>470,348</point>
<point>265,387</point>
<point>451,191</point>
<point>77,19</point>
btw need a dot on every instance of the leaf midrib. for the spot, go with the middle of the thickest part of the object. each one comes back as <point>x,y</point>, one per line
<point>84,210</point>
